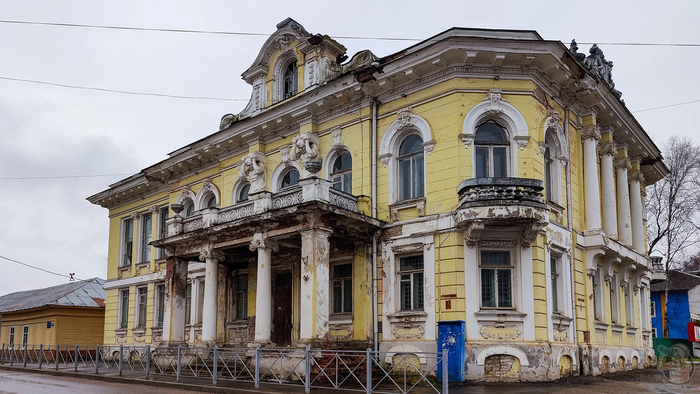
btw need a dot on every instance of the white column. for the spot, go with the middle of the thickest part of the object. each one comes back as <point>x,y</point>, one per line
<point>211,293</point>
<point>175,293</point>
<point>624,225</point>
<point>315,284</point>
<point>637,211</point>
<point>590,136</point>
<point>607,151</point>
<point>263,294</point>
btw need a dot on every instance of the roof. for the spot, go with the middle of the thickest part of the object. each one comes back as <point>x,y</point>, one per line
<point>677,281</point>
<point>86,293</point>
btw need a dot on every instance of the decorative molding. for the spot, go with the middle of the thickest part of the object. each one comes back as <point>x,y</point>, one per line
<point>522,141</point>
<point>472,233</point>
<point>336,133</point>
<point>305,148</point>
<point>287,200</point>
<point>416,335</point>
<point>428,147</point>
<point>543,147</point>
<point>253,167</point>
<point>494,98</point>
<point>467,139</point>
<point>405,117</point>
<point>592,132</point>
<point>385,159</point>
<point>497,243</point>
<point>500,337</point>
<point>530,233</point>
<point>591,272</point>
<point>260,241</point>
<point>285,153</point>
<point>622,163</point>
<point>607,148</point>
<point>636,176</point>
<point>410,248</point>
<point>208,253</point>
<point>153,209</point>
<point>237,213</point>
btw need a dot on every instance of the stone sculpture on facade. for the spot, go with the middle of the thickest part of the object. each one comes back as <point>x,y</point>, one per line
<point>597,64</point>
<point>252,166</point>
<point>305,149</point>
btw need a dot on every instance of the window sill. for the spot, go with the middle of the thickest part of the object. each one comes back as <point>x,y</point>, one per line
<point>341,318</point>
<point>237,323</point>
<point>156,328</point>
<point>139,330</point>
<point>143,264</point>
<point>617,328</point>
<point>601,325</point>
<point>561,321</point>
<point>555,206</point>
<point>124,268</point>
<point>499,315</point>
<point>632,330</point>
<point>410,315</point>
<point>120,332</point>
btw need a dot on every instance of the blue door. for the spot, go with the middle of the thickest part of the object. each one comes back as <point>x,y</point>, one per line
<point>451,337</point>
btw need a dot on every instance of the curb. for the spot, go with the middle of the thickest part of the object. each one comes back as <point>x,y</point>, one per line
<point>155,383</point>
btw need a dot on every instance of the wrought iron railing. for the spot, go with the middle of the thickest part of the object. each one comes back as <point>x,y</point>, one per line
<point>486,191</point>
<point>363,371</point>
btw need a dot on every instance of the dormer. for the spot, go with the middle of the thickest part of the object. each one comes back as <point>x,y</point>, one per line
<point>291,61</point>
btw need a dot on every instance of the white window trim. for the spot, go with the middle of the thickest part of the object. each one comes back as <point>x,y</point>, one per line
<point>161,252</point>
<point>137,312</point>
<point>122,239</point>
<point>652,309</point>
<point>237,191</point>
<point>233,316</point>
<point>11,338</point>
<point>283,61</point>
<point>558,149</point>
<point>25,331</point>
<point>204,194</point>
<point>343,261</point>
<point>330,160</point>
<point>155,304</point>
<point>654,332</point>
<point>394,135</point>
<point>186,198</point>
<point>140,247</point>
<point>279,173</point>
<point>515,274</point>
<point>599,297</point>
<point>563,281</point>
<point>615,312</point>
<point>628,295</point>
<point>508,116</point>
<point>119,308</point>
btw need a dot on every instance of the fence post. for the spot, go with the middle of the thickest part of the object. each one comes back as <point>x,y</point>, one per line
<point>148,361</point>
<point>57,357</point>
<point>25,354</point>
<point>97,359</point>
<point>257,367</point>
<point>215,371</point>
<point>121,359</point>
<point>445,374</point>
<point>75,359</point>
<point>307,376</point>
<point>41,353</point>
<point>179,360</point>
<point>2,355</point>
<point>368,384</point>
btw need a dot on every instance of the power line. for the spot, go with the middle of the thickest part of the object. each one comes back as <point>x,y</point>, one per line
<point>119,91</point>
<point>61,176</point>
<point>36,268</point>
<point>233,33</point>
<point>666,106</point>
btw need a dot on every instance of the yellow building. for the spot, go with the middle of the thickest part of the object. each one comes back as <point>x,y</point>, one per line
<point>69,314</point>
<point>487,176</point>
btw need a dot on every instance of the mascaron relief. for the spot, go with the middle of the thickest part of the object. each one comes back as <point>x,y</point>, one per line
<point>252,167</point>
<point>305,147</point>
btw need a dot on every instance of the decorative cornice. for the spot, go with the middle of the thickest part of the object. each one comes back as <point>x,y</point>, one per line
<point>211,254</point>
<point>592,132</point>
<point>261,241</point>
<point>607,148</point>
<point>622,163</point>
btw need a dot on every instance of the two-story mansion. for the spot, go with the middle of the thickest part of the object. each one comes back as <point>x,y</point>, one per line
<point>487,176</point>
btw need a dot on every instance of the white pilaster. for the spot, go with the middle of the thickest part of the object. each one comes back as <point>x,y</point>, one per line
<point>624,225</point>
<point>637,211</point>
<point>607,151</point>
<point>590,137</point>
<point>211,291</point>
<point>315,284</point>
<point>263,295</point>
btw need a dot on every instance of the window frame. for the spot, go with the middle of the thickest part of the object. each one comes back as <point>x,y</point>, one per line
<point>123,314</point>
<point>341,174</point>
<point>614,300</point>
<point>188,303</point>
<point>126,247</point>
<point>411,281</point>
<point>294,79</point>
<point>598,285</point>
<point>410,157</point>
<point>25,335</point>
<point>145,237</point>
<point>141,307</point>
<point>629,305</point>
<point>513,277</point>
<point>11,338</point>
<point>284,173</point>
<point>341,282</point>
<point>555,281</point>
<point>652,309</point>
<point>241,296</point>
<point>654,332</point>
<point>163,216</point>
<point>159,307</point>
<point>489,146</point>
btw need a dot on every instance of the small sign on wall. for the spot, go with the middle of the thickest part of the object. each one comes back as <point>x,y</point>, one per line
<point>694,332</point>
<point>49,324</point>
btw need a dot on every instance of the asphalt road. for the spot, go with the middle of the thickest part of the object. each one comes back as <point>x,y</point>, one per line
<point>12,382</point>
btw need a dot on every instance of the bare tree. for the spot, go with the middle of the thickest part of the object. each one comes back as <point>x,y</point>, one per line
<point>673,206</point>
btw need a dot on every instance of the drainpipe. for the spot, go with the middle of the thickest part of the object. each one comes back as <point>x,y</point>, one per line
<point>375,304</point>
<point>570,228</point>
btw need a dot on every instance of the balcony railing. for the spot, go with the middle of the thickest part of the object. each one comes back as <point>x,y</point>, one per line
<point>491,191</point>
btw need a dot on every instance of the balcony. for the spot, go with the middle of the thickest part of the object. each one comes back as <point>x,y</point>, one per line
<point>502,203</point>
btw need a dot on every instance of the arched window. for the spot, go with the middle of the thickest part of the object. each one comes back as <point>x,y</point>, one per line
<point>211,202</point>
<point>410,160</point>
<point>491,150</point>
<point>552,167</point>
<point>290,82</point>
<point>243,193</point>
<point>189,207</point>
<point>341,173</point>
<point>291,178</point>
<point>548,173</point>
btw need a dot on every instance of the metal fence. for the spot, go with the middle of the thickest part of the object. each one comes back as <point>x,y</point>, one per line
<point>363,371</point>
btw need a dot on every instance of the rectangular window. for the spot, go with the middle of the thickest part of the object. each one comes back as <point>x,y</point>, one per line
<point>653,333</point>
<point>496,279</point>
<point>200,301</point>
<point>500,158</point>
<point>127,242</point>
<point>652,308</point>
<point>629,310</point>
<point>614,301</point>
<point>242,297</point>
<point>342,288</point>
<point>123,308</point>
<point>188,304</point>
<point>596,296</point>
<point>553,261</point>
<point>25,336</point>
<point>163,216</point>
<point>12,336</point>
<point>482,162</point>
<point>141,304</point>
<point>160,311</point>
<point>146,237</point>
<point>411,278</point>
<point>548,178</point>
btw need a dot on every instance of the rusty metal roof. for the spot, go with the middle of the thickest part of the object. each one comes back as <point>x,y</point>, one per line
<point>87,293</point>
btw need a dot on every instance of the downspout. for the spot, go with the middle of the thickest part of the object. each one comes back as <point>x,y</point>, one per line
<point>375,304</point>
<point>569,226</point>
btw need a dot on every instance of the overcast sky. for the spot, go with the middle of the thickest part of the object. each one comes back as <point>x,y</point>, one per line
<point>55,131</point>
